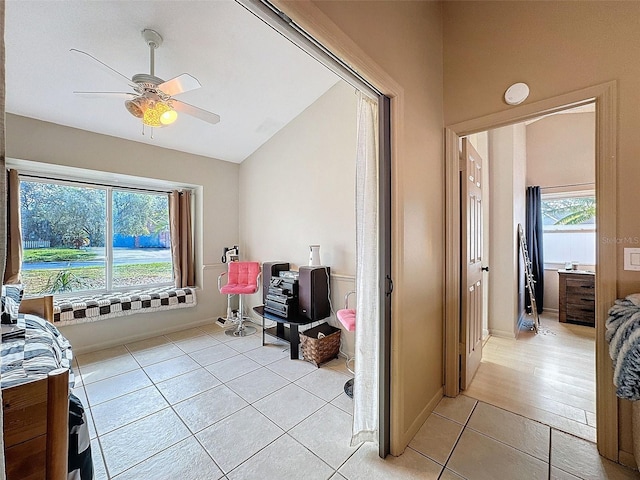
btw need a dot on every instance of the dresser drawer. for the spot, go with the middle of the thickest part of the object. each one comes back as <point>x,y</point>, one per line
<point>581,314</point>
<point>587,301</point>
<point>580,283</point>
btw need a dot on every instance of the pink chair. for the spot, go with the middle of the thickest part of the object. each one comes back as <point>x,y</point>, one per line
<point>243,278</point>
<point>347,317</point>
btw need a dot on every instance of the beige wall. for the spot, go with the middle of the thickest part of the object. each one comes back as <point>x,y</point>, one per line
<point>299,189</point>
<point>556,47</point>
<point>402,42</point>
<point>561,150</point>
<point>507,151</point>
<point>216,223</point>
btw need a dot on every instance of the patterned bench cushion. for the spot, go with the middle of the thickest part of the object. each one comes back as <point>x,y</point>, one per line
<point>69,311</point>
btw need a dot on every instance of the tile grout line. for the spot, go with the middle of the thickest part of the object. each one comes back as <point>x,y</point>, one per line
<point>464,427</point>
<point>154,384</point>
<point>550,449</point>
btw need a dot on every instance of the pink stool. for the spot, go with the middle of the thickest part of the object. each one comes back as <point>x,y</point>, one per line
<point>347,317</point>
<point>243,278</point>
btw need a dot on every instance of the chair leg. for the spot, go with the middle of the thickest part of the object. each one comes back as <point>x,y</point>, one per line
<point>241,330</point>
<point>348,388</point>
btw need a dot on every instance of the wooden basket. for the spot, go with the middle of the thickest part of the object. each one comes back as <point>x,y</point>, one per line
<point>319,350</point>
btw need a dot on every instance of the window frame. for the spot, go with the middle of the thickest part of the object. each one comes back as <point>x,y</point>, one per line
<point>108,219</point>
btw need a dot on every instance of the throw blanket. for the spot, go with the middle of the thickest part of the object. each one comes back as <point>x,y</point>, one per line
<point>623,335</point>
<point>32,354</point>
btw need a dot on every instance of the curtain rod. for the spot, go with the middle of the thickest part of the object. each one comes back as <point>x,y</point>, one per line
<point>96,184</point>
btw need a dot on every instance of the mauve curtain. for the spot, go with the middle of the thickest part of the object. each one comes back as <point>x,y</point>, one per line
<point>14,232</point>
<point>533,232</point>
<point>181,238</point>
<point>3,215</point>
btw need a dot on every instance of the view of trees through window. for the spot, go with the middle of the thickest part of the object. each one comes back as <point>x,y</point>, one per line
<point>65,229</point>
<point>573,210</point>
<point>569,230</point>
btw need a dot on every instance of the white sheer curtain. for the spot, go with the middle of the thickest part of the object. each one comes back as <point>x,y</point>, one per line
<point>365,389</point>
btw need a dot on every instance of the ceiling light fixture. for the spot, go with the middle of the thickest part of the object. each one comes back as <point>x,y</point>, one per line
<point>158,114</point>
<point>516,93</point>
<point>152,98</point>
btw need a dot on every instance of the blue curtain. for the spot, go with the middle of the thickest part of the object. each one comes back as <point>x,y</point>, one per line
<point>533,232</point>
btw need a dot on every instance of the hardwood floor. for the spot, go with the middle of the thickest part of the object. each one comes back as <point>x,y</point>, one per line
<point>548,377</point>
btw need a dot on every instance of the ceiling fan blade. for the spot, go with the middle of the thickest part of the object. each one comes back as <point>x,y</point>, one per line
<point>205,115</point>
<point>180,84</point>
<point>104,66</point>
<point>106,94</point>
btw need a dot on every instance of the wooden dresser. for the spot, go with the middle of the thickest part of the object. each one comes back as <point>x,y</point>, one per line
<point>577,299</point>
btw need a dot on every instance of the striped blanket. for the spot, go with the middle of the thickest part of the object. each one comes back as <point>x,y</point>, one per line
<point>31,355</point>
<point>623,335</point>
<point>40,349</point>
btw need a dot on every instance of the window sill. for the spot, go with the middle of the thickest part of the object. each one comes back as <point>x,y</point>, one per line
<point>92,308</point>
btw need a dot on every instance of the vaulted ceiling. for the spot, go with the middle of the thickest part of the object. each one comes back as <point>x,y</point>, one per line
<point>256,80</point>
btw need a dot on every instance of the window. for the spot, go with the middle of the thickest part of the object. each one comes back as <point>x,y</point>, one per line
<point>569,227</point>
<point>65,227</point>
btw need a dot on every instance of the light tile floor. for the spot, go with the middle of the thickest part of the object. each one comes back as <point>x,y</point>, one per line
<point>200,405</point>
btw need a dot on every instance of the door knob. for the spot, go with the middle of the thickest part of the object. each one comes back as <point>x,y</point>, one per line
<point>485,269</point>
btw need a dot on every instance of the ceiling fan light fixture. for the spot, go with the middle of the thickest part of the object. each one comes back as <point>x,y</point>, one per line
<point>159,114</point>
<point>136,106</point>
<point>152,116</point>
<point>169,116</point>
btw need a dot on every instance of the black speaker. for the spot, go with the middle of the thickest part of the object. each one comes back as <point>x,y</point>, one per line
<point>313,292</point>
<point>271,269</point>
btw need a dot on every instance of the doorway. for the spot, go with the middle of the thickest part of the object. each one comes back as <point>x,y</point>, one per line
<point>549,376</point>
<point>604,98</point>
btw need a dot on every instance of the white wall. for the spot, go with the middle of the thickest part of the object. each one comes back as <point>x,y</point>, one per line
<point>507,151</point>
<point>298,189</point>
<point>520,161</point>
<point>216,222</point>
<point>561,150</point>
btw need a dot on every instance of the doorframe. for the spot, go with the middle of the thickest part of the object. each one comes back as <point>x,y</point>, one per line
<point>305,25</point>
<point>605,98</point>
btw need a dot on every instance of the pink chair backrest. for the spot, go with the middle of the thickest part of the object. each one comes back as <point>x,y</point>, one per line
<point>243,273</point>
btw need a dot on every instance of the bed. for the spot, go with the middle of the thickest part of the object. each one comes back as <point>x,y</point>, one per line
<point>45,432</point>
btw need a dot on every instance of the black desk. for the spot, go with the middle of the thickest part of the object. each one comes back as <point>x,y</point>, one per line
<point>291,334</point>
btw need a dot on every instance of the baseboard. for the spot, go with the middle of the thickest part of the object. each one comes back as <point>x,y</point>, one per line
<point>551,310</point>
<point>501,333</point>
<point>407,436</point>
<point>143,336</point>
<point>627,459</point>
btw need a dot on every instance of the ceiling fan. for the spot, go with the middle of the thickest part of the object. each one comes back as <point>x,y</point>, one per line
<point>152,98</point>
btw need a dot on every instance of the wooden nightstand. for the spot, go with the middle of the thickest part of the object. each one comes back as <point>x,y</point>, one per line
<point>577,300</point>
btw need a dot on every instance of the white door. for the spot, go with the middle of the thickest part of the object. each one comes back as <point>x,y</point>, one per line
<point>471,262</point>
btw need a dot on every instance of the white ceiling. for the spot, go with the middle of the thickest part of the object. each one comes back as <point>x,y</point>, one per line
<point>256,80</point>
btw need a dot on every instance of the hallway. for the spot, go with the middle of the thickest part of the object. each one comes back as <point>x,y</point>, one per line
<point>549,377</point>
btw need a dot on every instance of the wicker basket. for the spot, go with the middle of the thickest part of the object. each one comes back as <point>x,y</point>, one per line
<point>319,350</point>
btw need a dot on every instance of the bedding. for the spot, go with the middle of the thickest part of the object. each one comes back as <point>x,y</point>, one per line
<point>40,349</point>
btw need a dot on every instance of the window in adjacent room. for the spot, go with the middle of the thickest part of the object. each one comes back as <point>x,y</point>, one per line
<point>81,238</point>
<point>569,227</point>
